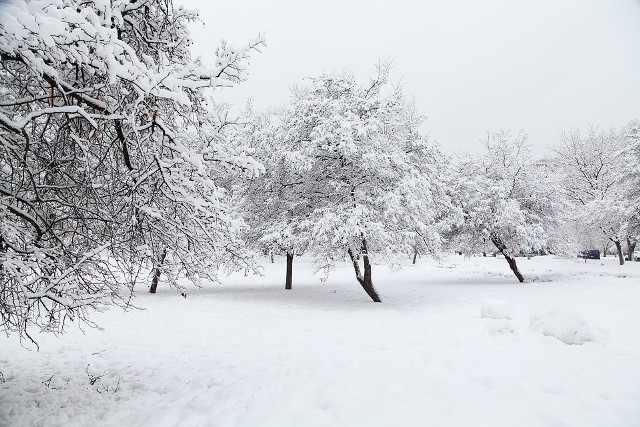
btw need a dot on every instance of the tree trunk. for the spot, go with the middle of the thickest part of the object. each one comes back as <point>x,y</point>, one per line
<point>367,284</point>
<point>289,279</point>
<point>157,272</point>
<point>415,255</point>
<point>510,260</point>
<point>514,267</point>
<point>631,247</point>
<point>620,253</point>
<point>365,281</point>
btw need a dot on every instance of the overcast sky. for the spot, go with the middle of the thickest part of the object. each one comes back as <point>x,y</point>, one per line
<point>542,66</point>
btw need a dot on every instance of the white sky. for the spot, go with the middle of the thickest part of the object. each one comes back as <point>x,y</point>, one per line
<point>542,66</point>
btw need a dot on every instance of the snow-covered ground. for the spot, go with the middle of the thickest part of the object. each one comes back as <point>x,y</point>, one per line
<point>456,344</point>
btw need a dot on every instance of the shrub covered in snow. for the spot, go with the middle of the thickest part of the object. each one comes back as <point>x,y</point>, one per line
<point>569,328</point>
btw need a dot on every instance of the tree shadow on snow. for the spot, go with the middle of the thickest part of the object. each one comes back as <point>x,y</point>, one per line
<point>475,280</point>
<point>322,297</point>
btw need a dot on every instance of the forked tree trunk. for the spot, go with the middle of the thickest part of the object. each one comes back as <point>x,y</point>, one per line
<point>157,272</point>
<point>364,280</point>
<point>289,279</point>
<point>631,247</point>
<point>620,253</point>
<point>510,260</point>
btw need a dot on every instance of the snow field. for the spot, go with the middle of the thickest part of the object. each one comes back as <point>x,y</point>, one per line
<point>494,309</point>
<point>249,353</point>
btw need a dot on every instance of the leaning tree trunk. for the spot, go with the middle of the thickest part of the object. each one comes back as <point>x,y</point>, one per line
<point>157,272</point>
<point>289,279</point>
<point>510,260</point>
<point>415,254</point>
<point>364,280</point>
<point>620,253</point>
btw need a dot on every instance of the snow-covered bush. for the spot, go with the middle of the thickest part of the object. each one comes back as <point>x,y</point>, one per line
<point>570,328</point>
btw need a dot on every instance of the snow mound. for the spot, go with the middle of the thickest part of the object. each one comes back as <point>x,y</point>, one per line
<point>494,309</point>
<point>570,328</point>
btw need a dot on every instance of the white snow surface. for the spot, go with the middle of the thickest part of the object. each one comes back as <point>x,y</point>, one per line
<point>248,353</point>
<point>494,309</point>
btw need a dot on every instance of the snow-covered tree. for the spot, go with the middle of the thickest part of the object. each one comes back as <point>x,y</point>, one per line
<point>363,181</point>
<point>625,200</point>
<point>274,208</point>
<point>592,166</point>
<point>506,198</point>
<point>631,184</point>
<point>110,156</point>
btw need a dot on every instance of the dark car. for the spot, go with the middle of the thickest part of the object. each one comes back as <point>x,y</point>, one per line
<point>589,254</point>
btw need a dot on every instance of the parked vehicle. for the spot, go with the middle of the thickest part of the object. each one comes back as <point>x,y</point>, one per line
<point>589,254</point>
<point>530,254</point>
